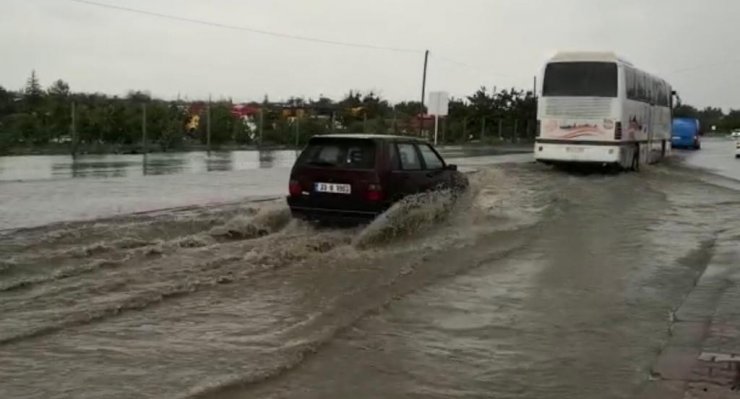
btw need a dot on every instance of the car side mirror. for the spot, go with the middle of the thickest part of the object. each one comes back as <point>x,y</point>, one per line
<point>452,167</point>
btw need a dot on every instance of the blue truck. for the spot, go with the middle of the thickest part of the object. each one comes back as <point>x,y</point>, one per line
<point>686,133</point>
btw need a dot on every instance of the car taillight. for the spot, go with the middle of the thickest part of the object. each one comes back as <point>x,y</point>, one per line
<point>618,131</point>
<point>374,193</point>
<point>294,188</point>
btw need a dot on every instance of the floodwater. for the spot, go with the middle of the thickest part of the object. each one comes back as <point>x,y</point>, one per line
<point>37,191</point>
<point>534,284</point>
<point>57,167</point>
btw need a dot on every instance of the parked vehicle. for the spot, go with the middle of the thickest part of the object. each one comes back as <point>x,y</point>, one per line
<point>355,177</point>
<point>735,134</point>
<point>686,133</point>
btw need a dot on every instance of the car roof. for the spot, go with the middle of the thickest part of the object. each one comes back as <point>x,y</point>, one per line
<point>363,136</point>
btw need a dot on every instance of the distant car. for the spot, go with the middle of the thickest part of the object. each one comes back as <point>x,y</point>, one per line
<point>735,134</point>
<point>354,177</point>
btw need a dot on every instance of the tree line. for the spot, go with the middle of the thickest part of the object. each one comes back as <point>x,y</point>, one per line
<point>710,116</point>
<point>38,117</point>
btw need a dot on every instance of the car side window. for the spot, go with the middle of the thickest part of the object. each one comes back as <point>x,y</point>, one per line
<point>409,157</point>
<point>431,159</point>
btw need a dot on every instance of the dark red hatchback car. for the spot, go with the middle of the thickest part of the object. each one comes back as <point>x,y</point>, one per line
<point>355,177</point>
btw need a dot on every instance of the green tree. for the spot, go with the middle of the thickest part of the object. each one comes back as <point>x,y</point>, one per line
<point>458,121</point>
<point>139,96</point>
<point>222,124</point>
<point>33,94</point>
<point>59,89</point>
<point>711,116</point>
<point>350,109</point>
<point>482,110</point>
<point>374,106</point>
<point>324,106</point>
<point>241,133</point>
<point>732,120</point>
<point>7,102</point>
<point>685,111</point>
<point>408,108</point>
<point>59,109</point>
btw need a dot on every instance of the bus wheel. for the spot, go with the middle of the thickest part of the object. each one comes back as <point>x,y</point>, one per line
<point>636,159</point>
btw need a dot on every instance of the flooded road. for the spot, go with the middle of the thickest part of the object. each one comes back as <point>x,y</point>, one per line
<point>39,190</point>
<point>535,284</point>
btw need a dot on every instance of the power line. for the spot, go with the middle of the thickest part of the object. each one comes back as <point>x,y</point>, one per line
<point>247,29</point>
<point>482,70</point>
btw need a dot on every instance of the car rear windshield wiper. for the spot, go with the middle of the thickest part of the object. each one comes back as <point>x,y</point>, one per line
<point>321,163</point>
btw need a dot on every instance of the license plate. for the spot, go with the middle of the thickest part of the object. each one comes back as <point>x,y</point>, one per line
<point>333,188</point>
<point>574,149</point>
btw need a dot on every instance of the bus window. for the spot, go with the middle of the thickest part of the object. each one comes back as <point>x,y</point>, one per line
<point>580,79</point>
<point>651,90</point>
<point>662,99</point>
<point>642,93</point>
<point>666,95</point>
<point>630,81</point>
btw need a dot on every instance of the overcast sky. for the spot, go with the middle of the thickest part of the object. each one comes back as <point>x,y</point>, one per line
<point>693,44</point>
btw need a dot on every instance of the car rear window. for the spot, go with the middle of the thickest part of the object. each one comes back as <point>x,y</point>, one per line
<point>339,153</point>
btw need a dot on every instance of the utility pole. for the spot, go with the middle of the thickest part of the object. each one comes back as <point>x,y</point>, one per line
<point>208,125</point>
<point>534,88</point>
<point>73,130</point>
<point>423,93</point>
<point>364,122</point>
<point>143,128</point>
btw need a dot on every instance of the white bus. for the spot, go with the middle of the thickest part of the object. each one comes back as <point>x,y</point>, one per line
<point>598,108</point>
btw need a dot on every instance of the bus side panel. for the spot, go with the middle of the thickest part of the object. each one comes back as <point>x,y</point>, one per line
<point>664,130</point>
<point>637,115</point>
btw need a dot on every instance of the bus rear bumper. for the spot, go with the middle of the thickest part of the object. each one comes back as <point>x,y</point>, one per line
<point>579,153</point>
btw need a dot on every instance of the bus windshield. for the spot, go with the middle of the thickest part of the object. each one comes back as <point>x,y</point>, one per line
<point>580,79</point>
